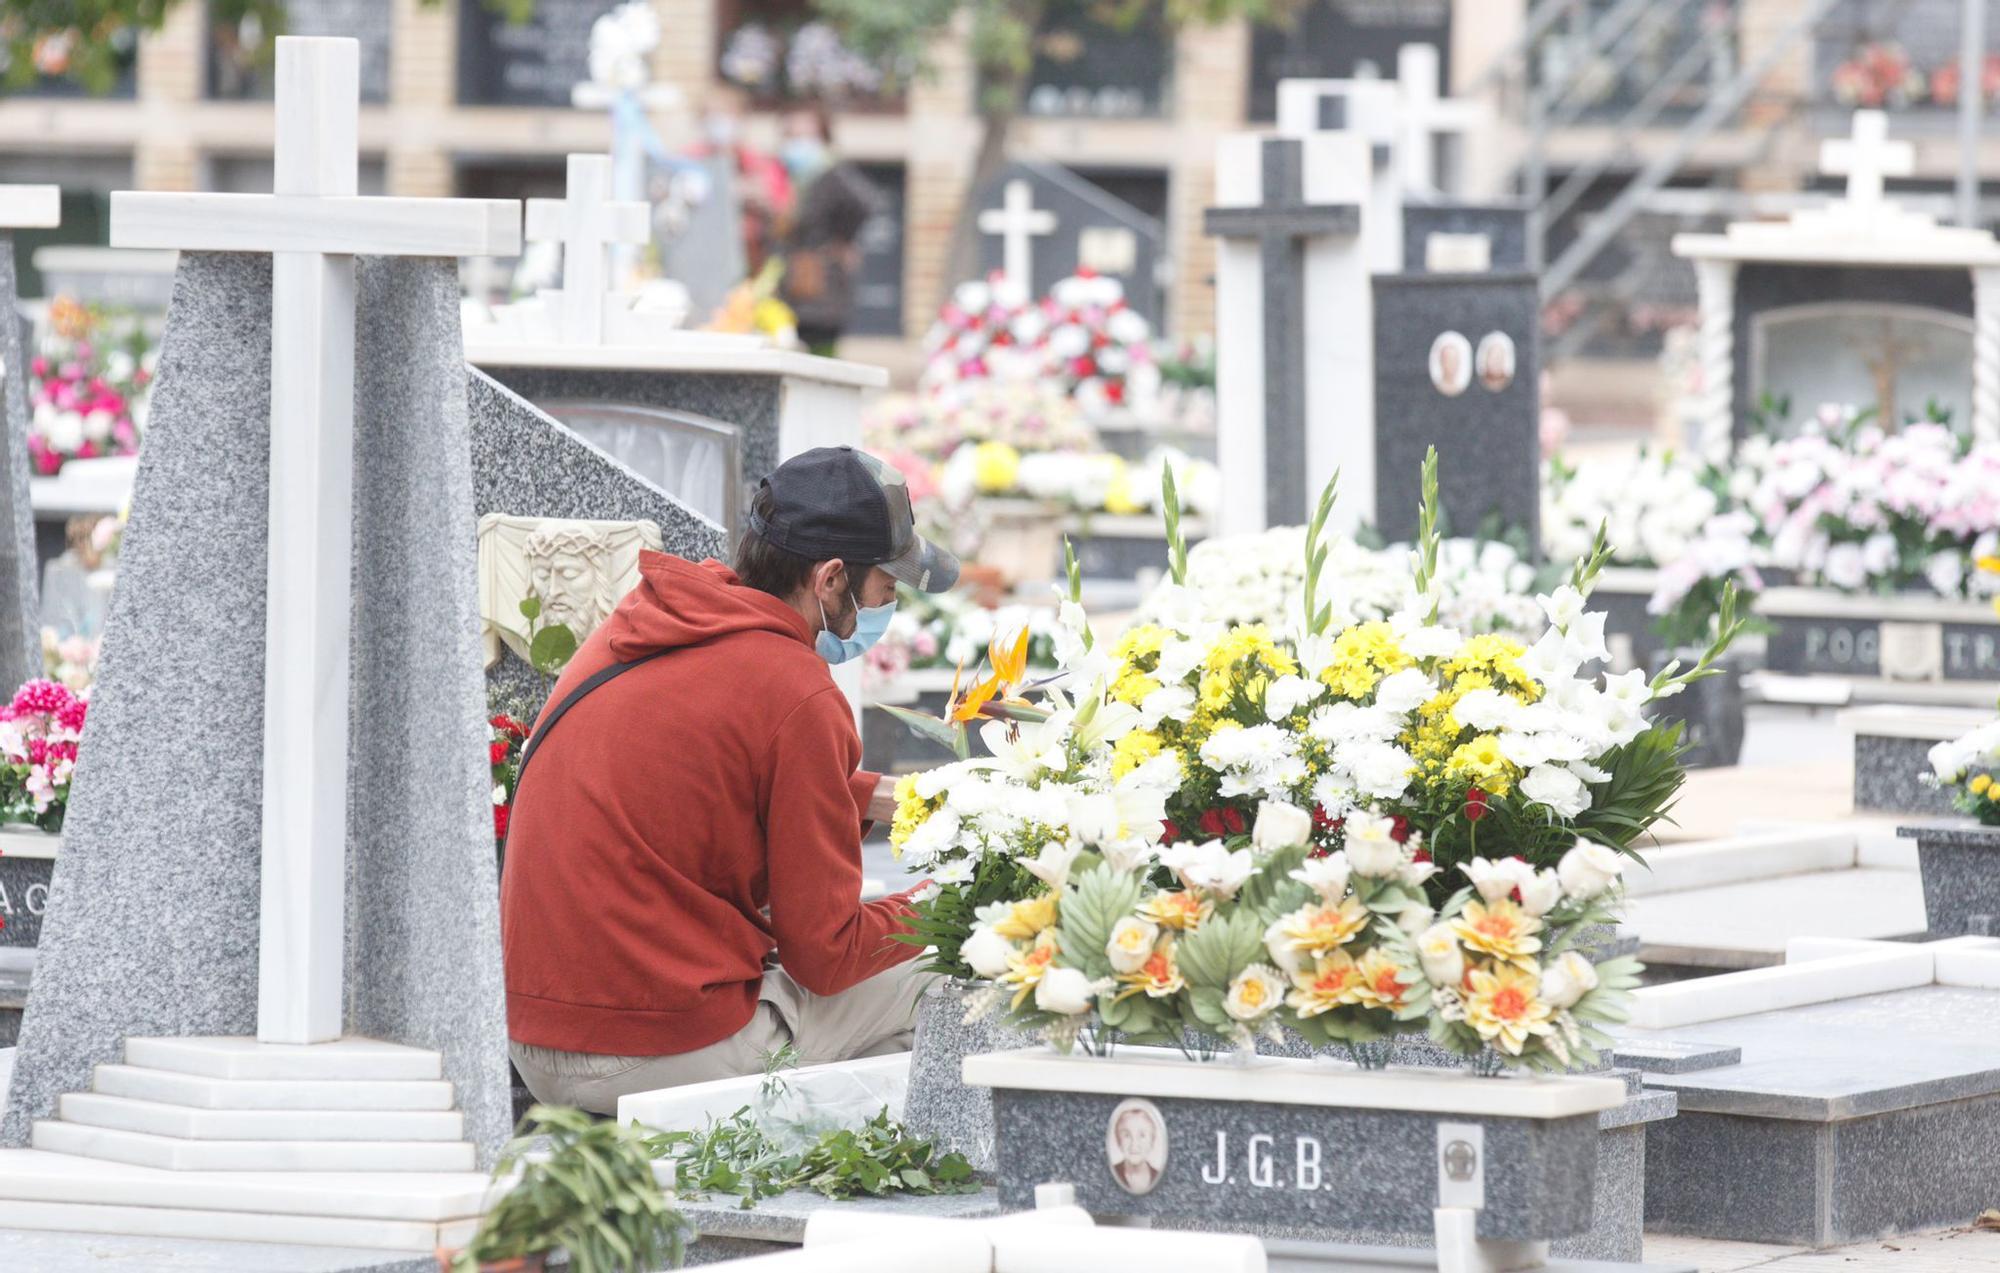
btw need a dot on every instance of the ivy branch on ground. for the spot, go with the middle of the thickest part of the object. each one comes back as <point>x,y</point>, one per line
<point>734,1155</point>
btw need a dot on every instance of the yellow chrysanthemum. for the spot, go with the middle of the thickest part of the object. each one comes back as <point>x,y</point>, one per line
<point>1504,1005</point>
<point>995,467</point>
<point>1500,929</point>
<point>1315,930</point>
<point>1979,784</point>
<point>1383,981</point>
<point>1119,496</point>
<point>1134,750</point>
<point>912,811</point>
<point>1481,761</point>
<point>1133,686</point>
<point>1138,646</point>
<point>1497,659</point>
<point>1025,969</point>
<point>1028,917</point>
<point>1179,910</point>
<point>1330,983</point>
<point>1159,978</point>
<point>1362,656</point>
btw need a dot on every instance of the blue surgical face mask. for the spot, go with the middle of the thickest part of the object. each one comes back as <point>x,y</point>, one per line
<point>802,156</point>
<point>869,625</point>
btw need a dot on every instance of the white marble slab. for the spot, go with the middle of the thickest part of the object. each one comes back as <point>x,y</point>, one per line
<point>693,1106</point>
<point>155,1118</point>
<point>229,1057</point>
<point>692,355</point>
<point>201,1092</point>
<point>1885,720</point>
<point>171,1153</point>
<point>163,1222</point>
<point>31,1175</point>
<point>1749,923</point>
<point>1136,1071</point>
<point>1757,990</point>
<point>1757,856</point>
<point>30,207</point>
<point>19,842</point>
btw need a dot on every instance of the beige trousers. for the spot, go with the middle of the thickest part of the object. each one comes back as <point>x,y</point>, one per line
<point>871,1019</point>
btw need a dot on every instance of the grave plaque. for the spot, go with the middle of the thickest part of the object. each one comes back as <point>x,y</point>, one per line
<point>1822,646</point>
<point>1088,67</point>
<point>1505,230</point>
<point>24,898</point>
<point>532,63</point>
<point>1343,39</point>
<point>1971,652</point>
<point>1090,226</point>
<point>1894,645</point>
<point>237,72</point>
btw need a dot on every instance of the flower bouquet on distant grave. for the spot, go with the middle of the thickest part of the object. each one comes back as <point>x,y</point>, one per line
<point>1188,760</point>
<point>1968,769</point>
<point>39,733</point>
<point>92,381</point>
<point>1081,336</point>
<point>505,741</point>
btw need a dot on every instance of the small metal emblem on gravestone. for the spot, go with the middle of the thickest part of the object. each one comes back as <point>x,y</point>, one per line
<point>1037,218</point>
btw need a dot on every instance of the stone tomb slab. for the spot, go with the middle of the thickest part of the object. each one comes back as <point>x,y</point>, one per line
<point>1892,754</point>
<point>1442,342</point>
<point>1855,1119</point>
<point>27,861</point>
<point>1961,872</point>
<point>1900,639</point>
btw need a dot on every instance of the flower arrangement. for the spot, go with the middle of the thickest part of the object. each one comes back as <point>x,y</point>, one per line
<point>1081,337</point>
<point>1007,417</point>
<point>1850,505</point>
<point>752,308</point>
<point>1969,768</point>
<point>91,385</point>
<point>505,740</point>
<point>39,732</point>
<point>950,631</point>
<point>70,661</point>
<point>1208,778</point>
<point>1879,74</point>
<point>1088,482</point>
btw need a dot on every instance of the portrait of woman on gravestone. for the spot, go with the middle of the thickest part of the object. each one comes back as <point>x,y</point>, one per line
<point>1135,1146</point>
<point>1451,363</point>
<point>1496,361</point>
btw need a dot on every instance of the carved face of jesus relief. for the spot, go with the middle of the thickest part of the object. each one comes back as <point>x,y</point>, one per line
<point>570,570</point>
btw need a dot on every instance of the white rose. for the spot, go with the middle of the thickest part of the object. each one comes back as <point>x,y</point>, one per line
<point>1416,919</point>
<point>1064,990</point>
<point>1589,869</point>
<point>1280,948</point>
<point>1131,943</point>
<point>1326,876</point>
<point>1280,826</point>
<point>986,952</point>
<point>1439,952</point>
<point>1540,894</point>
<point>499,791</point>
<point>1371,850</point>
<point>1567,980</point>
<point>1255,993</point>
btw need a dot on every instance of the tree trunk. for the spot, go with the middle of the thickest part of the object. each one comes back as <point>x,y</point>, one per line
<point>963,262</point>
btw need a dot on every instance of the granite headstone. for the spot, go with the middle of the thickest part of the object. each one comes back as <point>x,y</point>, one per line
<point>1093,228</point>
<point>20,605</point>
<point>162,810</point>
<point>1504,228</point>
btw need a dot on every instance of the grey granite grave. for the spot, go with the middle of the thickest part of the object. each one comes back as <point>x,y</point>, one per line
<point>1843,1121</point>
<point>1961,870</point>
<point>1080,207</point>
<point>20,604</point>
<point>1488,441</point>
<point>940,1105</point>
<point>162,810</point>
<point>1888,776</point>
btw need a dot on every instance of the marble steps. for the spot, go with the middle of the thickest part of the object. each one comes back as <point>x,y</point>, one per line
<point>157,1118</point>
<point>197,1091</point>
<point>347,1059</point>
<point>173,1153</point>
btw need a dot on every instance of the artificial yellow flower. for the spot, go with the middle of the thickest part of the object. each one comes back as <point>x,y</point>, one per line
<point>1177,909</point>
<point>995,467</point>
<point>1028,917</point>
<point>1025,969</point>
<point>1322,927</point>
<point>1979,784</point>
<point>1330,983</point>
<point>1159,978</point>
<point>1383,981</point>
<point>1505,1007</point>
<point>1500,929</point>
<point>1134,750</point>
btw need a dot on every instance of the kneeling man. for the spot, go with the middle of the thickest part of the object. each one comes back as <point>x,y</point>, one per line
<point>683,869</point>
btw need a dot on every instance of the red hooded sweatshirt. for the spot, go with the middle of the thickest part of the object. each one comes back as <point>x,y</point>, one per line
<point>669,809</point>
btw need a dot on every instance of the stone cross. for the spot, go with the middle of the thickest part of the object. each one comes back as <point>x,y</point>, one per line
<point>1372,110</point>
<point>30,207</point>
<point>1016,221</point>
<point>587,221</point>
<point>1279,224</point>
<point>1427,115</point>
<point>21,208</point>
<point>1865,157</point>
<point>313,224</point>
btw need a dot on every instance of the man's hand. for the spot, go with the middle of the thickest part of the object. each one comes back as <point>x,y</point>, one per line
<point>882,805</point>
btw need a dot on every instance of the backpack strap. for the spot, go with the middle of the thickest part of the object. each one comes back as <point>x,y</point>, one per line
<point>609,672</point>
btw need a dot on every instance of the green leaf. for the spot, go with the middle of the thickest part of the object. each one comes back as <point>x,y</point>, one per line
<point>552,648</point>
<point>531,607</point>
<point>946,734</point>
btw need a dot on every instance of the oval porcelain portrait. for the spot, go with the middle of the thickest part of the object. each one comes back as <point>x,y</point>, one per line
<point>1451,363</point>
<point>1135,1145</point>
<point>1495,361</point>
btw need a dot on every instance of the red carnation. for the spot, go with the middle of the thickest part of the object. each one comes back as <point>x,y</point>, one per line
<point>1399,828</point>
<point>1114,391</point>
<point>1211,822</point>
<point>496,753</point>
<point>1168,831</point>
<point>499,821</point>
<point>1475,804</point>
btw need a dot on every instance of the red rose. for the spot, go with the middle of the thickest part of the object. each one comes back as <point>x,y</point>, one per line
<point>1211,823</point>
<point>1233,819</point>
<point>1399,828</point>
<point>496,753</point>
<point>1475,805</point>
<point>499,821</point>
<point>1114,391</point>
<point>1168,831</point>
<point>1421,855</point>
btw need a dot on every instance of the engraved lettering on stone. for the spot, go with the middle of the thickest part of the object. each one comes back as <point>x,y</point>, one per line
<point>578,570</point>
<point>1307,1173</point>
<point>1217,1172</point>
<point>1257,1155</point>
<point>1912,651</point>
<point>1135,1145</point>
<point>6,903</point>
<point>38,899</point>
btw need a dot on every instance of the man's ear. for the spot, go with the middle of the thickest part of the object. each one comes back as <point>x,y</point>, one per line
<point>827,573</point>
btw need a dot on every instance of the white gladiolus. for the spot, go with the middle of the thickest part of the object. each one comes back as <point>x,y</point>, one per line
<point>1255,993</point>
<point>1569,978</point>
<point>986,952</point>
<point>1131,943</point>
<point>1540,894</point>
<point>1326,876</point>
<point>1589,869</point>
<point>1066,991</point>
<point>1051,866</point>
<point>1371,849</point>
<point>1280,826</point>
<point>1441,956</point>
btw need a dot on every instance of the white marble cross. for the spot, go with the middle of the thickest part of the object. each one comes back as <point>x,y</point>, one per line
<point>30,207</point>
<point>1866,156</point>
<point>1017,220</point>
<point>587,221</point>
<point>1427,115</point>
<point>313,225</point>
